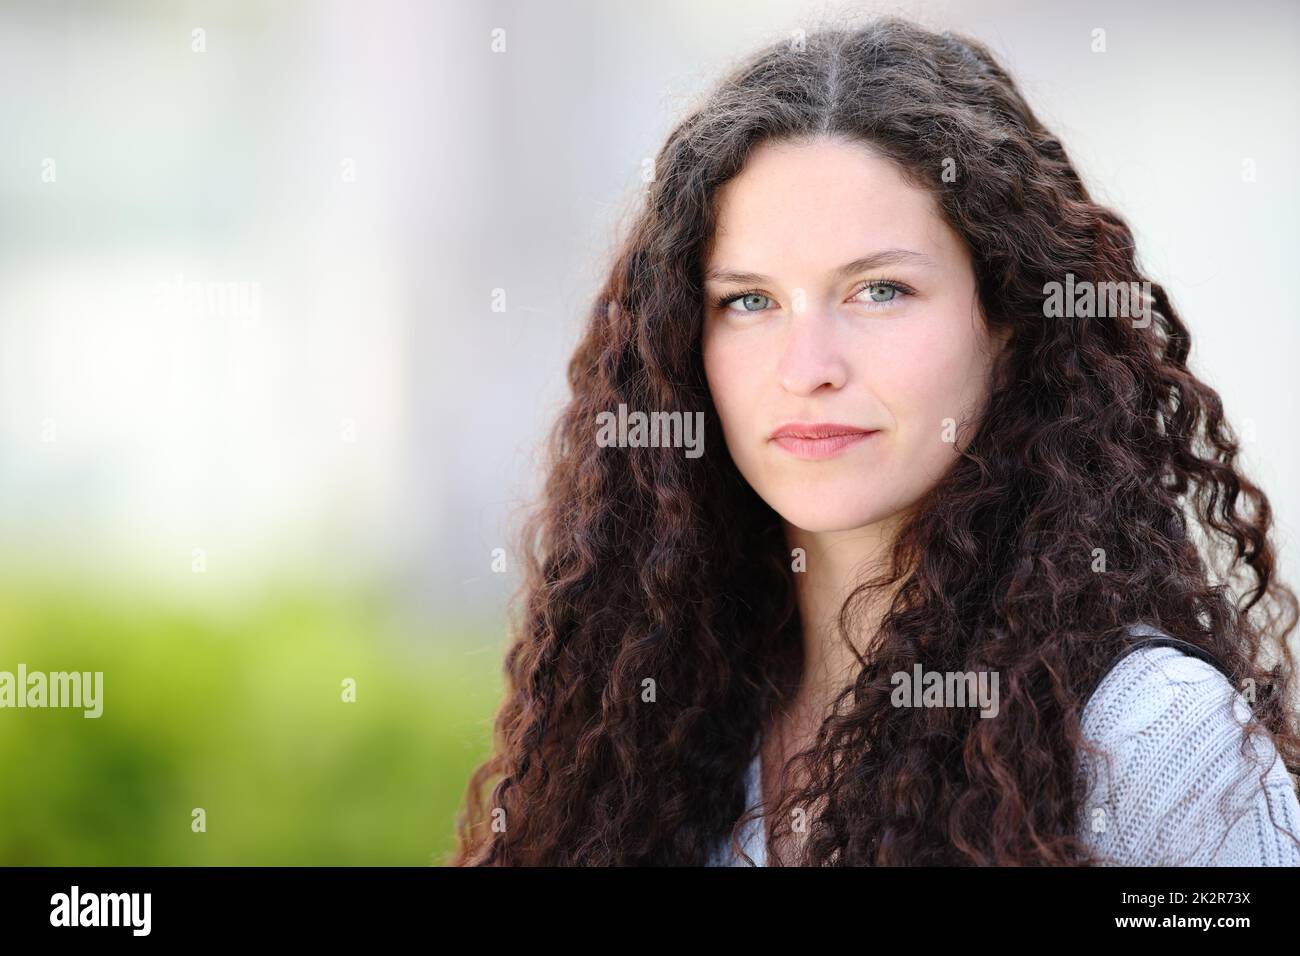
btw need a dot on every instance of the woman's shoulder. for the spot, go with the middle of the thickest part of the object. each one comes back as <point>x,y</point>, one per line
<point>1178,780</point>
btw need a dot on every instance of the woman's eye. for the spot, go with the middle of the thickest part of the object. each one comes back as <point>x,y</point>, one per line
<point>882,292</point>
<point>749,301</point>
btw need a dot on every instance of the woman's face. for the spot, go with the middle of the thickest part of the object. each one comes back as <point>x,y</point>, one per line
<point>894,345</point>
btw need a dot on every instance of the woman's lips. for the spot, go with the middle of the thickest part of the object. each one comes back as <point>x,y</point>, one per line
<point>816,442</point>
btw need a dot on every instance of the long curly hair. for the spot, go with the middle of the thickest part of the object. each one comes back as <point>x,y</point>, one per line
<point>656,628</point>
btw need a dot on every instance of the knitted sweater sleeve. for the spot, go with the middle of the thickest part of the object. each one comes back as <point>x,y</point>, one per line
<point>1183,784</point>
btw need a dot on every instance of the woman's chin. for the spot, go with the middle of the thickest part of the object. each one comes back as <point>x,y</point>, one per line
<point>826,516</point>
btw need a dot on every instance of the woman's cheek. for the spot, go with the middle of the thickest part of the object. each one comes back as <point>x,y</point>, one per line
<point>924,391</point>
<point>730,385</point>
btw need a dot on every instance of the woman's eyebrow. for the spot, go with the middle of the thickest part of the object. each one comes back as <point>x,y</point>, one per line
<point>887,257</point>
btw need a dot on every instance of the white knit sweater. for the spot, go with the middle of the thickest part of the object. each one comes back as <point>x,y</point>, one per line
<point>1181,788</point>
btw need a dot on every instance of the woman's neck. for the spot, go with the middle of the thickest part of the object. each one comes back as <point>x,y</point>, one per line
<point>835,562</point>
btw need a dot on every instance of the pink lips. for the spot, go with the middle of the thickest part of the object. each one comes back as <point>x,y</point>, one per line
<point>818,441</point>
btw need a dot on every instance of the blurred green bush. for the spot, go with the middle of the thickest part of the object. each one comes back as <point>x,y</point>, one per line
<point>240,713</point>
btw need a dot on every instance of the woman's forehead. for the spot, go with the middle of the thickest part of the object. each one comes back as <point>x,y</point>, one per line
<point>824,203</point>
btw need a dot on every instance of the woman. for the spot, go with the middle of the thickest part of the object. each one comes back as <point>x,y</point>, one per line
<point>950,443</point>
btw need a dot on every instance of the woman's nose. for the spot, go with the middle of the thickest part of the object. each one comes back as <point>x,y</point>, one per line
<point>812,355</point>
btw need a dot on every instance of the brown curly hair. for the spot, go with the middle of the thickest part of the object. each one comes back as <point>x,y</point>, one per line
<point>648,569</point>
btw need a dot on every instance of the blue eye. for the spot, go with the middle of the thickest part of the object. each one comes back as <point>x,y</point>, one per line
<point>744,298</point>
<point>893,292</point>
